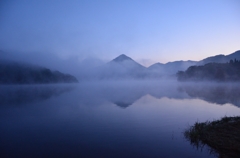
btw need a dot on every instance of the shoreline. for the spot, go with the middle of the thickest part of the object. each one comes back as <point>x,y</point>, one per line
<point>222,136</point>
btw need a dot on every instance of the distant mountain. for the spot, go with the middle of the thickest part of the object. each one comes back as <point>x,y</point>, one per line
<point>234,55</point>
<point>122,67</point>
<point>21,73</point>
<point>121,58</point>
<point>126,62</point>
<point>220,58</point>
<point>156,66</point>
<point>213,59</point>
<point>156,70</point>
<point>125,67</point>
<point>170,68</point>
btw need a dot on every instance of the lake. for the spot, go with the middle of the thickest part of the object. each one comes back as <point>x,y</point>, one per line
<point>110,119</point>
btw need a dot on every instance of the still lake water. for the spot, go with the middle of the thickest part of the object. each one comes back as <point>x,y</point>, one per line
<point>110,119</point>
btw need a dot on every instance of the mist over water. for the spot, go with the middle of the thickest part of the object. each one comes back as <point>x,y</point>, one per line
<point>110,78</point>
<point>136,118</point>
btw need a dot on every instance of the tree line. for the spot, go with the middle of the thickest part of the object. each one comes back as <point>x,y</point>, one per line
<point>212,71</point>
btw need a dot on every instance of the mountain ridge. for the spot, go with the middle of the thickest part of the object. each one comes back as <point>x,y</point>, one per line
<point>121,67</point>
<point>23,73</point>
<point>122,58</point>
<point>124,67</point>
<point>220,58</point>
<point>180,65</point>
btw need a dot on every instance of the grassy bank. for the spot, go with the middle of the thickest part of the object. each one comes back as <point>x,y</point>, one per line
<point>222,136</point>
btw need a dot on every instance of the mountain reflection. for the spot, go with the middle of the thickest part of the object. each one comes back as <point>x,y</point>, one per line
<point>122,94</point>
<point>122,104</point>
<point>18,95</point>
<point>125,94</point>
<point>214,93</point>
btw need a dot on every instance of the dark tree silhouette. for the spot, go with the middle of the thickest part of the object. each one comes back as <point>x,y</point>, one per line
<point>14,73</point>
<point>212,71</point>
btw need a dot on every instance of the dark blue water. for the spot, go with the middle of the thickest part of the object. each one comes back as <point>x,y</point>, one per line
<point>109,119</point>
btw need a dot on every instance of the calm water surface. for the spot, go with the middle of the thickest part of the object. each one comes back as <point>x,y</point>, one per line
<point>110,119</point>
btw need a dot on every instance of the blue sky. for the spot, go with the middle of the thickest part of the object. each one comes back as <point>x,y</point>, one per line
<point>146,30</point>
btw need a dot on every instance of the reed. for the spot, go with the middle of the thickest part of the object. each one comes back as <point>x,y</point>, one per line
<point>222,136</point>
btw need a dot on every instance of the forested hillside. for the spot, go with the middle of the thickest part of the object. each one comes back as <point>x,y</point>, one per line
<point>213,71</point>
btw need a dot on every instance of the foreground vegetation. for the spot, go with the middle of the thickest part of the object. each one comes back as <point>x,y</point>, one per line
<point>222,136</point>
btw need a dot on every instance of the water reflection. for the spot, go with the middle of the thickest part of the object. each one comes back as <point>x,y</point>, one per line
<point>137,119</point>
<point>122,94</point>
<point>214,93</point>
<point>25,94</point>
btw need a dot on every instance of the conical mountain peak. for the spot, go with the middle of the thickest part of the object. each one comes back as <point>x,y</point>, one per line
<point>122,58</point>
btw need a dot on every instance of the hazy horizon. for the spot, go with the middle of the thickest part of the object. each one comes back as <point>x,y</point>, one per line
<point>146,31</point>
<point>66,90</point>
<point>25,55</point>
